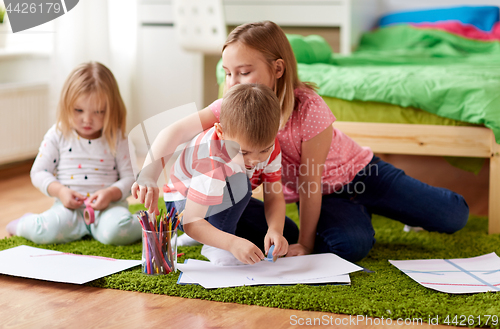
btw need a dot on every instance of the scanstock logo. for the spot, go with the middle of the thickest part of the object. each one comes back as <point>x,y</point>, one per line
<point>25,14</point>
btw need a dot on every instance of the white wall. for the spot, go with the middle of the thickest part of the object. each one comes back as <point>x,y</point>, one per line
<point>167,76</point>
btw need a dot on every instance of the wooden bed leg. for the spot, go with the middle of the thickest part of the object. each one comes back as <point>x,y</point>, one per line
<point>494,193</point>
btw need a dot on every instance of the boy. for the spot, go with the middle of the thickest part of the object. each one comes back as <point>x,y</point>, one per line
<point>213,177</point>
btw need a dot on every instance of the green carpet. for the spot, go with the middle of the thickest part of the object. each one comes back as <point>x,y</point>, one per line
<point>386,293</point>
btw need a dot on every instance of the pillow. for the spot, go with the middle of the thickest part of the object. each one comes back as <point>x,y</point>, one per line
<point>310,49</point>
<point>482,17</point>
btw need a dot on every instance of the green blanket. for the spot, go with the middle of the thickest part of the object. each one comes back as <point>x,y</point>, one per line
<point>404,44</point>
<point>469,94</point>
<point>432,70</point>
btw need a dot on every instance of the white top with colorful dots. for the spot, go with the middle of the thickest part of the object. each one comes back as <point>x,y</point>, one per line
<point>83,165</point>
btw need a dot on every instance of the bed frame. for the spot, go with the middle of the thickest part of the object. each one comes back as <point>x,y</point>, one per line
<point>393,138</point>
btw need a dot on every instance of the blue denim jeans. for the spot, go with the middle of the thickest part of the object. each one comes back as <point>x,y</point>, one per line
<point>345,227</point>
<point>240,214</point>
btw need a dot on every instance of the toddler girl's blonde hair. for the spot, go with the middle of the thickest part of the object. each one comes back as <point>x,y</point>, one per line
<point>93,80</point>
<point>270,40</point>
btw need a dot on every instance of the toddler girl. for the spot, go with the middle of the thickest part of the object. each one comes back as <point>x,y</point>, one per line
<point>84,157</point>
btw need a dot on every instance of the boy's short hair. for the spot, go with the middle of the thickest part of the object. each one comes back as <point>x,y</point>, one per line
<point>251,112</point>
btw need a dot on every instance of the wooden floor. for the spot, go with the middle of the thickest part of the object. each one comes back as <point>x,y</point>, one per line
<point>26,303</point>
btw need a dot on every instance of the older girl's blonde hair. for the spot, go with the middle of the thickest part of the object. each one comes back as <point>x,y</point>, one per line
<point>93,80</point>
<point>270,40</point>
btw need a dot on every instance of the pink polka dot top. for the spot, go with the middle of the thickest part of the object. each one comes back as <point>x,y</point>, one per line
<point>310,117</point>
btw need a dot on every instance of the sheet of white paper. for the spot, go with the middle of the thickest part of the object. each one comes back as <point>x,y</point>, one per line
<point>318,268</point>
<point>50,265</point>
<point>340,279</point>
<point>184,278</point>
<point>455,276</point>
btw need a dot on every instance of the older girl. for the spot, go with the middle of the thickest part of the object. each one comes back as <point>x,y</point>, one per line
<point>336,183</point>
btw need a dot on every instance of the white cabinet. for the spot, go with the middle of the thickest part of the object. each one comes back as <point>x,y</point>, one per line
<point>167,76</point>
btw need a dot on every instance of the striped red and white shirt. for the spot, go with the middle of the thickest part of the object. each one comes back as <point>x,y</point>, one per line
<point>200,171</point>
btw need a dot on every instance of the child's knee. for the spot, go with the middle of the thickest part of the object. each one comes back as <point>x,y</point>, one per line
<point>351,246</point>
<point>457,217</point>
<point>41,229</point>
<point>356,251</point>
<point>34,228</point>
<point>117,229</point>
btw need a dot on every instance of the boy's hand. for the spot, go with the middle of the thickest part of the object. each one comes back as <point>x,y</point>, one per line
<point>246,252</point>
<point>278,240</point>
<point>298,250</point>
<point>69,198</point>
<point>101,199</point>
<point>148,195</point>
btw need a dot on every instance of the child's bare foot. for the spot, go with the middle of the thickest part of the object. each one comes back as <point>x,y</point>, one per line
<point>12,226</point>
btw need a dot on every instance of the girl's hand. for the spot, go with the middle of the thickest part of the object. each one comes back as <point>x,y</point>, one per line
<point>148,195</point>
<point>279,241</point>
<point>298,250</point>
<point>101,199</point>
<point>246,252</point>
<point>69,198</point>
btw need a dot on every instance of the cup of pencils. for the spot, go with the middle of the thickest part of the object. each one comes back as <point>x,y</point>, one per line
<point>159,242</point>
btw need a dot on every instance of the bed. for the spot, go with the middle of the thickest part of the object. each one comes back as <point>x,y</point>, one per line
<point>471,23</point>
